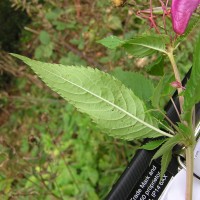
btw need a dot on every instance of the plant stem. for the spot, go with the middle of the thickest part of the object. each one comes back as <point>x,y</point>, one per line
<point>189,171</point>
<point>151,18</point>
<point>176,74</point>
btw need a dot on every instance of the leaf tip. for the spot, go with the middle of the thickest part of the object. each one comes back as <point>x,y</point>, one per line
<point>23,58</point>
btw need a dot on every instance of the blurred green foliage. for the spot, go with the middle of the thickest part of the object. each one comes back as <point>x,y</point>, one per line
<point>47,149</point>
<point>50,151</point>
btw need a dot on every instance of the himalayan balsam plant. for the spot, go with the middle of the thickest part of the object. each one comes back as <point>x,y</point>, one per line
<point>126,111</point>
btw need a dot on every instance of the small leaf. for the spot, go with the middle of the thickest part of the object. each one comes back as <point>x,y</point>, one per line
<point>114,22</point>
<point>166,158</point>
<point>157,94</point>
<point>73,59</point>
<point>185,130</point>
<point>44,38</point>
<point>142,46</point>
<point>167,146</point>
<point>153,144</point>
<point>192,92</point>
<point>162,90</point>
<point>131,79</point>
<point>111,105</point>
<point>44,51</point>
<point>52,14</point>
<point>157,67</point>
<point>111,42</point>
<point>60,26</point>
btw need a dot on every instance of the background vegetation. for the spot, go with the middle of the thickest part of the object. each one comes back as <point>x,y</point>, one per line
<point>47,149</point>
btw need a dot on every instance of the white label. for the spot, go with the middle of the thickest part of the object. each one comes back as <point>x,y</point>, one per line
<point>177,187</point>
<point>197,158</point>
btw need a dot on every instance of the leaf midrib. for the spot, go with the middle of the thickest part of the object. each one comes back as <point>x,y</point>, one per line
<point>150,47</point>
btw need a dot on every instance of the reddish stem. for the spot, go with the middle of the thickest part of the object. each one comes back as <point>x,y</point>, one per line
<point>164,13</point>
<point>151,18</point>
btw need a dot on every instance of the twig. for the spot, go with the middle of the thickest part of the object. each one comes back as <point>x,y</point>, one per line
<point>165,12</point>
<point>78,8</point>
<point>151,18</point>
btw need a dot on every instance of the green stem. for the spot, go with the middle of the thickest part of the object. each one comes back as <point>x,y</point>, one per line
<point>176,74</point>
<point>189,171</point>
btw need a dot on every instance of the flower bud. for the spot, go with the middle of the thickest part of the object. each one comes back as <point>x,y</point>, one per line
<point>181,11</point>
<point>177,84</point>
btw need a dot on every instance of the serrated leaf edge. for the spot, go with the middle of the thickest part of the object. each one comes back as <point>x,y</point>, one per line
<point>102,99</point>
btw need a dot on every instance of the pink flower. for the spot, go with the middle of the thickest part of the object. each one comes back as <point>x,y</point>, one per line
<point>181,12</point>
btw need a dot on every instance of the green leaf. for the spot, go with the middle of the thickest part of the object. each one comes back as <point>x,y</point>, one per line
<point>106,100</point>
<point>157,94</point>
<point>60,26</point>
<point>162,90</point>
<point>53,14</point>
<point>167,146</point>
<point>6,185</point>
<point>131,79</point>
<point>92,174</point>
<point>44,38</point>
<point>111,42</point>
<point>185,130</point>
<point>166,158</point>
<point>152,144</point>
<point>192,92</point>
<point>44,51</point>
<point>114,22</point>
<point>73,59</point>
<point>142,46</point>
<point>157,67</point>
